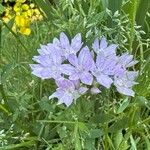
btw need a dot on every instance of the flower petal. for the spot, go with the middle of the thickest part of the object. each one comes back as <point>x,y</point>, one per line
<point>132,63</point>
<point>85,59</point>
<point>131,75</point>
<point>125,91</point>
<point>40,71</point>
<point>76,42</point>
<point>100,60</point>
<point>65,84</point>
<point>83,90</point>
<point>64,40</point>
<point>95,90</point>
<point>95,45</point>
<point>110,50</point>
<point>125,59</point>
<point>74,76</point>
<point>63,97</point>
<point>86,78</point>
<point>44,60</point>
<point>104,80</point>
<point>67,99</point>
<point>73,59</point>
<point>103,43</point>
<point>58,94</point>
<point>67,69</point>
<point>44,49</point>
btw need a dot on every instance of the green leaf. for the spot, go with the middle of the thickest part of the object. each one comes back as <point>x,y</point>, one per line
<point>95,133</point>
<point>102,118</point>
<point>141,12</point>
<point>44,104</point>
<point>131,8</point>
<point>45,5</point>
<point>83,127</point>
<point>133,143</point>
<point>142,101</point>
<point>118,137</point>
<point>10,25</point>
<point>119,125</point>
<point>77,138</point>
<point>123,106</point>
<point>2,8</point>
<point>6,72</point>
<point>114,5</point>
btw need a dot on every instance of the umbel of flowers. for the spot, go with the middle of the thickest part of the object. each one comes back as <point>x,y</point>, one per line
<point>77,70</point>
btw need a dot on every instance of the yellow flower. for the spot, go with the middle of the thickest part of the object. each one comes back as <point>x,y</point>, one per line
<point>20,1</point>
<point>25,7</point>
<point>22,21</point>
<point>30,12</point>
<point>17,7</point>
<point>37,12</point>
<point>32,5</point>
<point>25,31</point>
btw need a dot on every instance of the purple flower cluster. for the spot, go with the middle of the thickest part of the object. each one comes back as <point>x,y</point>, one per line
<point>77,70</point>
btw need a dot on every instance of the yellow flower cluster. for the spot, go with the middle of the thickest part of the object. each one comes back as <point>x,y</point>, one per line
<point>23,15</point>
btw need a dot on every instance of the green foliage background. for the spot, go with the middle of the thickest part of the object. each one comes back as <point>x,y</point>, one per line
<point>109,121</point>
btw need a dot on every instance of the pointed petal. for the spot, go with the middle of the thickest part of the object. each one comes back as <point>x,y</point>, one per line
<point>132,63</point>
<point>125,59</point>
<point>73,59</point>
<point>85,59</point>
<point>56,57</point>
<point>65,84</point>
<point>44,60</point>
<point>95,45</point>
<point>126,91</point>
<point>40,71</point>
<point>44,50</point>
<point>110,50</point>
<point>104,80</point>
<point>67,99</point>
<point>67,69</point>
<point>74,76</point>
<point>58,94</point>
<point>56,41</point>
<point>76,42</point>
<point>95,90</point>
<point>83,90</point>
<point>86,78</point>
<point>76,83</point>
<point>100,60</point>
<point>64,40</point>
<point>131,75</point>
<point>103,43</point>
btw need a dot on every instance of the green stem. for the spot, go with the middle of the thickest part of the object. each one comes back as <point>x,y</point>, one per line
<point>14,146</point>
<point>15,35</point>
<point>0,40</point>
<point>57,121</point>
<point>133,17</point>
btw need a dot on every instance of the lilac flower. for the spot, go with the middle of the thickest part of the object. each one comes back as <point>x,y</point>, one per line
<point>124,84</point>
<point>70,48</point>
<point>73,68</point>
<point>80,67</point>
<point>95,90</point>
<point>66,92</point>
<point>49,66</point>
<point>126,60</point>
<point>44,50</point>
<point>104,68</point>
<point>102,46</point>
